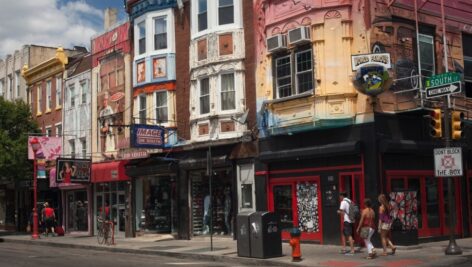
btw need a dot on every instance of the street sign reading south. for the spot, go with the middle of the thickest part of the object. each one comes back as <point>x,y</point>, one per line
<point>442,79</point>
<point>442,90</point>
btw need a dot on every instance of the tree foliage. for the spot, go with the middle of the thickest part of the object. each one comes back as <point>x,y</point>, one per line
<point>16,123</point>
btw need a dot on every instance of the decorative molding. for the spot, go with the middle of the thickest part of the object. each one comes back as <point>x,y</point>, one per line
<point>332,14</point>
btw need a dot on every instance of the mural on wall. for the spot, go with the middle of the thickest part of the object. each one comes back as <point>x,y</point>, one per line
<point>110,104</point>
<point>307,206</point>
<point>159,67</point>
<point>405,208</point>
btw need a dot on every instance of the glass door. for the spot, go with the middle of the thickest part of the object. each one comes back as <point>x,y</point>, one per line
<point>353,185</point>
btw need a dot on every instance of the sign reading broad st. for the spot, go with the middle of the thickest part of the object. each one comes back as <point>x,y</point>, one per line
<point>443,84</point>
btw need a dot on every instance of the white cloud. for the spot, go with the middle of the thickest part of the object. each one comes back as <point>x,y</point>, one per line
<point>47,22</point>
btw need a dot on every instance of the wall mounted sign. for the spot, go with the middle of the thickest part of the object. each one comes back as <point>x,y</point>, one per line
<point>147,136</point>
<point>50,149</point>
<point>73,170</point>
<point>372,77</point>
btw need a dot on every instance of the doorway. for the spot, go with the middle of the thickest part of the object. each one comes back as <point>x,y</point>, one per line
<point>110,203</point>
<point>353,184</point>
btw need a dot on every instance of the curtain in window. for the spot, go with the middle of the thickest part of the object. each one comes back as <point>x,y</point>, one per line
<point>227,92</point>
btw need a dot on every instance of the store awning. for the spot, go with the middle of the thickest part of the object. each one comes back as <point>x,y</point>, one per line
<point>112,171</point>
<point>343,148</point>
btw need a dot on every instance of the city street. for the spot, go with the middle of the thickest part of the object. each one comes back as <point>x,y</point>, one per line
<point>19,255</point>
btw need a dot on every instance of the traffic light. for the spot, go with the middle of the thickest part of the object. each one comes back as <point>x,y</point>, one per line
<point>436,123</point>
<point>457,118</point>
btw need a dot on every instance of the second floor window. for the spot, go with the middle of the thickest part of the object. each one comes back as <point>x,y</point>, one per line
<point>84,90</point>
<point>161,107</point>
<point>227,92</point>
<point>48,132</point>
<point>142,37</point>
<point>225,12</point>
<point>427,55</point>
<point>204,96</point>
<point>72,96</point>
<point>58,91</point>
<point>142,108</point>
<point>202,15</point>
<point>48,95</point>
<point>294,73</point>
<point>160,33</point>
<point>59,130</point>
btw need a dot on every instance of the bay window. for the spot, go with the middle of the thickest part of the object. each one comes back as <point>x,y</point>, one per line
<point>202,15</point>
<point>225,12</point>
<point>161,106</point>
<point>160,33</point>
<point>141,37</point>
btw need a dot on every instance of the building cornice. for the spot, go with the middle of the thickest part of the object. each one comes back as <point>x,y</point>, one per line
<point>46,68</point>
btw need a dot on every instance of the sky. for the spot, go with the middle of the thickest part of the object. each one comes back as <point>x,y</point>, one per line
<point>52,22</point>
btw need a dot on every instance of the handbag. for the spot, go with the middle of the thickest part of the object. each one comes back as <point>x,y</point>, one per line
<point>385,226</point>
<point>364,232</point>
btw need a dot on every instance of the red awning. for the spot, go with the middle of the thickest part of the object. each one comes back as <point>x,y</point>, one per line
<point>109,171</point>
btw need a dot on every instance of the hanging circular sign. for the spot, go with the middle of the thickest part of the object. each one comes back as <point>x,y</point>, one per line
<point>372,76</point>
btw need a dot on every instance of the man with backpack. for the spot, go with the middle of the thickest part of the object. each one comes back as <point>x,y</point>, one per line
<point>348,210</point>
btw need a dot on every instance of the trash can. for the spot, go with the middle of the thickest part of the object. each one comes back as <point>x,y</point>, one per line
<point>265,235</point>
<point>242,234</point>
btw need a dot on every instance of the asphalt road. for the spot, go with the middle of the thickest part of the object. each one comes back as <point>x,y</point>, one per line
<point>19,255</point>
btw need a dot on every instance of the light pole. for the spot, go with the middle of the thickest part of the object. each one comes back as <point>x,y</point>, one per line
<point>35,146</point>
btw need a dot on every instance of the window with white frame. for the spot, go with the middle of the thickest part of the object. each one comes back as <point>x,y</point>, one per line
<point>83,144</point>
<point>142,37</point>
<point>59,130</point>
<point>17,83</point>
<point>84,91</point>
<point>228,94</point>
<point>58,91</point>
<point>225,12</point>
<point>160,33</point>
<point>142,108</point>
<point>72,148</point>
<point>294,73</point>
<point>161,106</point>
<point>39,95</point>
<point>48,95</point>
<point>202,15</point>
<point>72,95</point>
<point>204,95</point>
<point>48,131</point>
<point>426,43</point>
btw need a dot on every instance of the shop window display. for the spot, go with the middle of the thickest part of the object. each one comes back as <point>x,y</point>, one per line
<point>77,211</point>
<point>157,204</point>
<point>222,203</point>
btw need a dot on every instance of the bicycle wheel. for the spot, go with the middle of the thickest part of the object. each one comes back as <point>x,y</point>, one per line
<point>107,235</point>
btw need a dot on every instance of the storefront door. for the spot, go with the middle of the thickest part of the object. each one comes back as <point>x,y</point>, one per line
<point>77,211</point>
<point>110,203</point>
<point>353,185</point>
<point>432,202</point>
<point>298,203</point>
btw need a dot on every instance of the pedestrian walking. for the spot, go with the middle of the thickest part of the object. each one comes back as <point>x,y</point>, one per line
<point>385,225</point>
<point>49,218</point>
<point>366,227</point>
<point>348,224</point>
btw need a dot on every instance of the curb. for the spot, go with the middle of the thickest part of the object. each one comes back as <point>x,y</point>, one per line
<point>182,255</point>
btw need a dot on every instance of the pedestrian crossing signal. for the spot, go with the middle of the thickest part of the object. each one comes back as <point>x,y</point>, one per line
<point>436,123</point>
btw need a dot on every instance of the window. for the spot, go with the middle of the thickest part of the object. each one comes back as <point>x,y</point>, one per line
<point>142,37</point>
<point>202,15</point>
<point>48,132</point>
<point>161,106</point>
<point>84,90</point>
<point>225,12</point>
<point>48,95</point>
<point>2,82</point>
<point>142,108</point>
<point>299,80</point>
<point>17,83</point>
<point>426,55</point>
<point>9,86</point>
<point>227,92</point>
<point>72,95</point>
<point>83,143</point>
<point>204,96</point>
<point>58,91</point>
<point>467,47</point>
<point>59,130</point>
<point>160,33</point>
<point>39,99</point>
<point>72,148</point>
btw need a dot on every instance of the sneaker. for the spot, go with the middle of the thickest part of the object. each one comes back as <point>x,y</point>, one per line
<point>349,254</point>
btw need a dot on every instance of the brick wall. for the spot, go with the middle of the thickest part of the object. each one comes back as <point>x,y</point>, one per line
<point>250,61</point>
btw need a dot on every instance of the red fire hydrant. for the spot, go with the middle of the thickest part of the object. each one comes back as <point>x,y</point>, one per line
<point>295,243</point>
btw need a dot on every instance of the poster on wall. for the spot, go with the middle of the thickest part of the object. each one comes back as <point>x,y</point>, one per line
<point>405,208</point>
<point>307,206</point>
<point>73,170</point>
<point>50,147</point>
<point>140,72</point>
<point>159,67</point>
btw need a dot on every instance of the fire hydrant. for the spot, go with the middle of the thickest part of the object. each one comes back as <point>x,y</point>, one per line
<point>295,243</point>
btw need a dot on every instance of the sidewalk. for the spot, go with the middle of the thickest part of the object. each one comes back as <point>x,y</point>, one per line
<point>224,249</point>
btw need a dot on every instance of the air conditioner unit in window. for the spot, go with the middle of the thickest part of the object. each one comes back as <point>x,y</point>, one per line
<point>276,43</point>
<point>299,35</point>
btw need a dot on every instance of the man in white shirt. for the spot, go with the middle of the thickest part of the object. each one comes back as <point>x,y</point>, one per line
<point>348,226</point>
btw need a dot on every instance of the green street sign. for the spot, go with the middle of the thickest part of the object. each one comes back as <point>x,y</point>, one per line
<point>443,79</point>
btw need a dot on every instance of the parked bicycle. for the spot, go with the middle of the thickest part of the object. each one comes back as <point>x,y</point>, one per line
<point>105,233</point>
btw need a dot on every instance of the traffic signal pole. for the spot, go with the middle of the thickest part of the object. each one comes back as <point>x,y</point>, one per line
<point>452,247</point>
